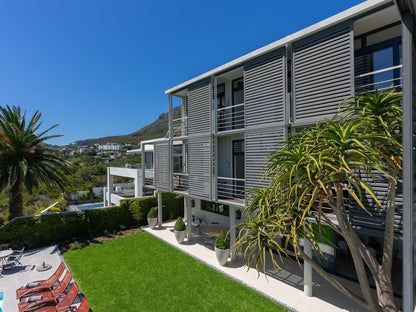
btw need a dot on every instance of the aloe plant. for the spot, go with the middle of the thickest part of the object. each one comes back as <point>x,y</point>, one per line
<point>316,168</point>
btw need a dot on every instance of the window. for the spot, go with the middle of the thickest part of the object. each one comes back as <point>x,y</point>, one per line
<point>377,63</point>
<point>238,101</point>
<point>148,160</point>
<point>216,208</point>
<point>238,91</point>
<point>221,96</point>
<point>177,157</point>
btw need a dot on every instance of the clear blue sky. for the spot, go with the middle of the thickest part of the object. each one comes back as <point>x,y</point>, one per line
<point>100,67</point>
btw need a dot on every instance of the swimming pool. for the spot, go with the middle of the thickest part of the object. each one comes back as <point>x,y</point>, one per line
<point>1,302</point>
<point>89,206</point>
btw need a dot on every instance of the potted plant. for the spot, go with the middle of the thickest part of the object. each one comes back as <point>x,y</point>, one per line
<point>222,248</point>
<point>180,228</point>
<point>152,217</point>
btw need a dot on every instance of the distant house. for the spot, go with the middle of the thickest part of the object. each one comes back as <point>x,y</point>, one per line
<point>109,147</point>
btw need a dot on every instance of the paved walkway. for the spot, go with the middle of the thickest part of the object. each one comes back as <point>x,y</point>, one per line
<point>285,287</point>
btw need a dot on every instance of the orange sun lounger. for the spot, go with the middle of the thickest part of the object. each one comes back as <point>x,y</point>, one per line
<point>45,298</point>
<point>66,302</point>
<point>43,285</point>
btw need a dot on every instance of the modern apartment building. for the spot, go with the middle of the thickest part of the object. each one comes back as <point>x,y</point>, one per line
<point>237,113</point>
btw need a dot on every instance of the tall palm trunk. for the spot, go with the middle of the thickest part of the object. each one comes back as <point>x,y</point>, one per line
<point>16,201</point>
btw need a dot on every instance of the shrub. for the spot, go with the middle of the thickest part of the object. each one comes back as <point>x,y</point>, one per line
<point>222,241</point>
<point>174,202</point>
<point>76,245</point>
<point>61,204</point>
<point>48,229</point>
<point>152,213</point>
<point>44,230</point>
<point>54,209</point>
<point>139,208</point>
<point>180,225</point>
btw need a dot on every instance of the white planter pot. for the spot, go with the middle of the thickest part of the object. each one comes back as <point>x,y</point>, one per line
<point>152,222</point>
<point>180,236</point>
<point>222,255</point>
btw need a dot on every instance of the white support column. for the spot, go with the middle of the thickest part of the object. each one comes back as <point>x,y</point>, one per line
<point>159,208</point>
<point>232,233</point>
<point>104,197</point>
<point>109,186</point>
<point>187,208</point>
<point>307,269</point>
<point>138,189</point>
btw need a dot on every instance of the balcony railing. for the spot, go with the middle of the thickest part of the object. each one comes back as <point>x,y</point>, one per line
<point>180,182</point>
<point>180,127</point>
<point>149,178</point>
<point>381,79</point>
<point>126,165</point>
<point>230,188</point>
<point>230,117</point>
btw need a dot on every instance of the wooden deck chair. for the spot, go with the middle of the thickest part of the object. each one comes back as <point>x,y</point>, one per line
<point>41,285</point>
<point>64,304</point>
<point>45,298</point>
<point>83,307</point>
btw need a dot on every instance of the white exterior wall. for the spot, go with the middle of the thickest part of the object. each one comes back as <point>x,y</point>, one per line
<point>210,217</point>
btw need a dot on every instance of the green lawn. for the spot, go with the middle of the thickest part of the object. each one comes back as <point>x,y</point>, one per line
<point>142,273</point>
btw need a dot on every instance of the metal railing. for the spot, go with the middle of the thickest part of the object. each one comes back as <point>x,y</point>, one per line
<point>149,178</point>
<point>230,117</point>
<point>369,81</point>
<point>125,165</point>
<point>230,188</point>
<point>180,127</point>
<point>149,182</point>
<point>180,182</point>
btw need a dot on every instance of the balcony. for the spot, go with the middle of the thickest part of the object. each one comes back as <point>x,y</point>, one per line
<point>180,182</point>
<point>231,189</point>
<point>149,178</point>
<point>180,127</point>
<point>126,165</point>
<point>230,118</point>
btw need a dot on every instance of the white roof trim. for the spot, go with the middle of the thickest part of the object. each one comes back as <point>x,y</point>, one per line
<point>153,141</point>
<point>333,20</point>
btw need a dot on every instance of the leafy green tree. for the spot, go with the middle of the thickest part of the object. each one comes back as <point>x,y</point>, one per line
<point>322,167</point>
<point>24,159</point>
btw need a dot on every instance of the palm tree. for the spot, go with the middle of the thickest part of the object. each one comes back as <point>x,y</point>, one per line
<point>24,160</point>
<point>316,168</point>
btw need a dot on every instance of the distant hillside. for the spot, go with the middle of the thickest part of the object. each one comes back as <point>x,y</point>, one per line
<point>156,129</point>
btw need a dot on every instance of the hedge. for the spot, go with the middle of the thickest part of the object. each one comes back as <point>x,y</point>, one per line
<point>38,231</point>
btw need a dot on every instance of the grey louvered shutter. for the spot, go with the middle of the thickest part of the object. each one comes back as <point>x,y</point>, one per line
<point>199,166</point>
<point>258,144</point>
<point>359,217</point>
<point>161,150</point>
<point>265,89</point>
<point>199,107</point>
<point>322,73</point>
